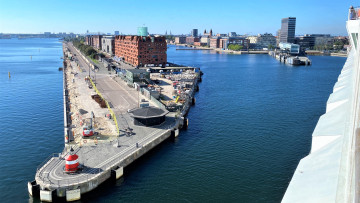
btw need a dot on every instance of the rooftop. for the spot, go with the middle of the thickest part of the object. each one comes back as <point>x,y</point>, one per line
<point>147,112</point>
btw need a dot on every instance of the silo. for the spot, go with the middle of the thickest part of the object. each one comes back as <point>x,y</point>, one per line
<point>142,31</point>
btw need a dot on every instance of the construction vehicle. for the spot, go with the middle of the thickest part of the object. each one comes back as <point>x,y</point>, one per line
<point>88,129</point>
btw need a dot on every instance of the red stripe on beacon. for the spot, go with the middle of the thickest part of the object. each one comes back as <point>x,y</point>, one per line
<point>72,164</point>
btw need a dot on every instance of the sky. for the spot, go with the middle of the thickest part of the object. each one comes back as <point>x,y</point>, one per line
<point>178,16</point>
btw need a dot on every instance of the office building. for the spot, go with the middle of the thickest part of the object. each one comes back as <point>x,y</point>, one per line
<point>194,32</point>
<point>262,41</point>
<point>287,33</point>
<point>306,41</point>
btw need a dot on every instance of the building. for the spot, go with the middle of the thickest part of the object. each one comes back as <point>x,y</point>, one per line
<point>262,41</point>
<point>214,42</point>
<point>239,41</point>
<point>148,116</point>
<point>142,31</point>
<point>205,40</point>
<point>116,33</point>
<point>221,35</point>
<point>47,34</point>
<point>191,40</point>
<point>141,51</point>
<point>290,48</point>
<point>287,33</point>
<point>180,40</point>
<point>96,41</point>
<point>207,34</point>
<point>88,40</point>
<point>108,44</point>
<point>278,33</point>
<point>306,41</point>
<point>137,75</point>
<point>200,44</point>
<point>322,39</point>
<point>194,32</point>
<point>223,43</point>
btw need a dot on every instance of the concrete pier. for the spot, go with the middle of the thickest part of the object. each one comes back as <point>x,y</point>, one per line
<point>290,59</point>
<point>107,153</point>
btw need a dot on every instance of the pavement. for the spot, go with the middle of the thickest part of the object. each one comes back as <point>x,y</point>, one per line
<point>99,154</point>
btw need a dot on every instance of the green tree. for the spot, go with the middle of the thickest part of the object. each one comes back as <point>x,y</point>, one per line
<point>339,44</point>
<point>235,47</point>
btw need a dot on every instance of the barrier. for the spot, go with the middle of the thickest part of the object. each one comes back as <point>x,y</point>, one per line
<point>73,195</point>
<point>107,104</point>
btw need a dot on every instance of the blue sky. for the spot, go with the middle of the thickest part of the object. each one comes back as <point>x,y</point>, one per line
<point>180,16</point>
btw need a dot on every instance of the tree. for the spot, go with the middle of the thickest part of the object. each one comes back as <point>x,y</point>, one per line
<point>235,47</point>
<point>270,47</point>
<point>339,44</point>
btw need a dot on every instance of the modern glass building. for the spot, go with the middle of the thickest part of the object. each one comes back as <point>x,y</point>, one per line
<point>287,32</point>
<point>194,32</point>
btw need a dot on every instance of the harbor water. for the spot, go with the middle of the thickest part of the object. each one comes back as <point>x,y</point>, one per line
<point>250,126</point>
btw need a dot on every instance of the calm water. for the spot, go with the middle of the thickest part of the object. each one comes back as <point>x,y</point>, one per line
<point>251,125</point>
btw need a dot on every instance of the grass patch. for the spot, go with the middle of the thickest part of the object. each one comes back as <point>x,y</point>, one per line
<point>94,60</point>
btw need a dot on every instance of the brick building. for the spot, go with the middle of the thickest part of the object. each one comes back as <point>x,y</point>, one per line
<point>191,40</point>
<point>140,51</point>
<point>88,40</point>
<point>96,41</point>
<point>223,43</point>
<point>200,44</point>
<point>214,42</point>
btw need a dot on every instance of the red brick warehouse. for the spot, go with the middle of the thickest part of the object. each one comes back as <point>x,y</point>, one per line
<point>140,51</point>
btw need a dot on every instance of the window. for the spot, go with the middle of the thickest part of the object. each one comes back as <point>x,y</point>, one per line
<point>354,36</point>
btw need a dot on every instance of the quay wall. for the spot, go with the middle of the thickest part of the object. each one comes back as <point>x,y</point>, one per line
<point>67,125</point>
<point>94,182</point>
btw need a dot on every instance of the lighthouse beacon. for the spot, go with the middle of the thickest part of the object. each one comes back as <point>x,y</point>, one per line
<point>72,164</point>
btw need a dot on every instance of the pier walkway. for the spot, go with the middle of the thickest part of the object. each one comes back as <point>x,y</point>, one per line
<point>100,158</point>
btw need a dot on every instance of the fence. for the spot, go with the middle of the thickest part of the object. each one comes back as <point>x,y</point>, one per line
<point>108,106</point>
